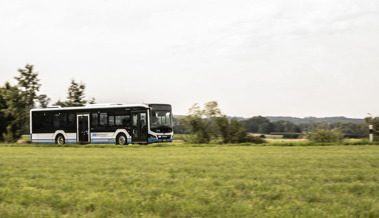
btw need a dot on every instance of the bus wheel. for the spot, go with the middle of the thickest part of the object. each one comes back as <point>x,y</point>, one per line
<point>60,140</point>
<point>121,139</point>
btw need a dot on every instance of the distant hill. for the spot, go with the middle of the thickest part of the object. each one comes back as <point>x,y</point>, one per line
<point>316,119</point>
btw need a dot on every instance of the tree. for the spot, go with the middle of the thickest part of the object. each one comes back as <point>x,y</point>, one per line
<point>75,96</point>
<point>223,128</point>
<point>179,128</point>
<point>13,116</point>
<point>285,126</point>
<point>351,130</point>
<point>17,102</point>
<point>198,126</point>
<point>209,123</point>
<point>238,132</point>
<point>28,83</point>
<point>211,113</point>
<point>43,100</point>
<point>259,124</point>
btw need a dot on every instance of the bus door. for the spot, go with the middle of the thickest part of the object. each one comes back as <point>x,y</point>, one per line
<point>139,126</point>
<point>83,130</point>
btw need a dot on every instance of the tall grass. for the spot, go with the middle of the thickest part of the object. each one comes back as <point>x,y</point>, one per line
<point>240,181</point>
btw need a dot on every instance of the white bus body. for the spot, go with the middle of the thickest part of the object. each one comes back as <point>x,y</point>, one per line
<point>109,123</point>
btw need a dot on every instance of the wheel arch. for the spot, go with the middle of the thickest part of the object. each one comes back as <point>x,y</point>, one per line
<point>122,131</point>
<point>60,132</point>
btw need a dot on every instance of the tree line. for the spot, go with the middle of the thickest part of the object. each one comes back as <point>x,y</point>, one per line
<point>259,124</point>
<point>263,125</point>
<point>17,100</point>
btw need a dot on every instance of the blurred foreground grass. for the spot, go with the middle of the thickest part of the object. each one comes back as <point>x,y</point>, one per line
<point>338,181</point>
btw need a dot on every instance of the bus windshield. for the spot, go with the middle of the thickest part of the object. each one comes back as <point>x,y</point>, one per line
<point>161,118</point>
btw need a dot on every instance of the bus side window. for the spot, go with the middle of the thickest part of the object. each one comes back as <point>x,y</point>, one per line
<point>63,120</point>
<point>123,120</point>
<point>47,120</point>
<point>103,119</point>
<point>56,119</point>
<point>111,120</point>
<point>71,121</point>
<point>94,120</point>
<point>37,118</point>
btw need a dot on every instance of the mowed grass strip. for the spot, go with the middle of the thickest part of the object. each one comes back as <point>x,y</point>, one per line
<point>338,181</point>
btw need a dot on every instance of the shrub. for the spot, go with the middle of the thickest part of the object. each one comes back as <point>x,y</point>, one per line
<point>198,138</point>
<point>254,139</point>
<point>325,135</point>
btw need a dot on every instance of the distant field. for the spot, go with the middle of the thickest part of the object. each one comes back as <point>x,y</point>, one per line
<point>266,181</point>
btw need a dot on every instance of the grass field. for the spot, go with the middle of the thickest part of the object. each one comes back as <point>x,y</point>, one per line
<point>264,181</point>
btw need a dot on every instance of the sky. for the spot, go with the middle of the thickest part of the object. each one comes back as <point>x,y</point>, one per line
<point>271,58</point>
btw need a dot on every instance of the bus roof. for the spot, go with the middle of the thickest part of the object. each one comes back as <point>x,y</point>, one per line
<point>91,106</point>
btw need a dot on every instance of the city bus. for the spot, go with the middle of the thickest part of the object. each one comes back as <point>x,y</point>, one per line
<point>109,123</point>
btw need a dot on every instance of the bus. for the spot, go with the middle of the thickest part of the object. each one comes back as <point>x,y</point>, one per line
<point>109,123</point>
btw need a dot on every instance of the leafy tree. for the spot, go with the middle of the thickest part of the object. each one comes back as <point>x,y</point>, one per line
<point>28,83</point>
<point>222,123</point>
<point>198,126</point>
<point>209,123</point>
<point>211,113</point>
<point>3,107</point>
<point>13,114</point>
<point>75,96</point>
<point>238,132</point>
<point>259,124</point>
<point>179,127</point>
<point>351,130</point>
<point>15,103</point>
<point>43,100</point>
<point>211,109</point>
<point>285,126</point>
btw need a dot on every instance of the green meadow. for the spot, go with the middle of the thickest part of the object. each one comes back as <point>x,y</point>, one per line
<point>218,181</point>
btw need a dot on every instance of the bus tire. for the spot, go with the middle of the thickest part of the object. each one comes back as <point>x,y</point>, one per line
<point>121,139</point>
<point>60,140</point>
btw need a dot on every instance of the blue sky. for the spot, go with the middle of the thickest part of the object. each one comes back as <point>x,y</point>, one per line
<point>275,58</point>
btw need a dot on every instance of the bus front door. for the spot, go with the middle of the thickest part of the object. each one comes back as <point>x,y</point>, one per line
<point>83,128</point>
<point>139,127</point>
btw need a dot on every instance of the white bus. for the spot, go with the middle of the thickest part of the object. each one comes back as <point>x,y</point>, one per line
<point>112,123</point>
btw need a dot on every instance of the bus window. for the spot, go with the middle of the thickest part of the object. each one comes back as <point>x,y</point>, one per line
<point>63,120</point>
<point>36,116</point>
<point>111,120</point>
<point>47,120</point>
<point>56,119</point>
<point>103,119</point>
<point>94,120</point>
<point>71,122</point>
<point>123,120</point>
<point>143,119</point>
